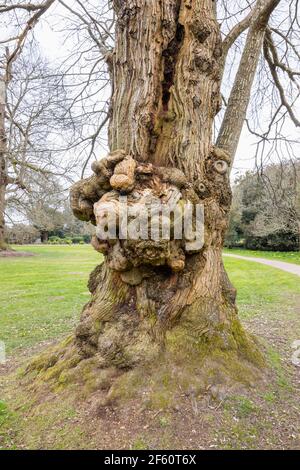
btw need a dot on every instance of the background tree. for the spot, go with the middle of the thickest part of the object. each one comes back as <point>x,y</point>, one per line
<point>265,210</point>
<point>11,48</point>
<point>21,234</point>
<point>45,217</point>
<point>69,97</point>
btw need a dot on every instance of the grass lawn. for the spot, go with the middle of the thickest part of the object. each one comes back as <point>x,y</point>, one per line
<point>40,300</point>
<point>41,297</point>
<point>289,257</point>
<point>260,288</point>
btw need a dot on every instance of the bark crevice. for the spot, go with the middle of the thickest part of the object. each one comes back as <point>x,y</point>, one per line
<point>170,57</point>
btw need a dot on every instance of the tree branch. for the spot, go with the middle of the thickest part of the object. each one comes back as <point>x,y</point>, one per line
<point>20,6</point>
<point>236,110</point>
<point>269,46</point>
<point>235,32</point>
<point>22,37</point>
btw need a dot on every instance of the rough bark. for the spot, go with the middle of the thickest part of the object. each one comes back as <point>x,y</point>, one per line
<point>151,297</point>
<point>44,236</point>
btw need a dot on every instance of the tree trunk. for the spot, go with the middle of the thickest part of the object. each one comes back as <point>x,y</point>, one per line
<point>3,170</point>
<point>149,298</point>
<point>159,306</point>
<point>44,236</point>
<point>3,245</point>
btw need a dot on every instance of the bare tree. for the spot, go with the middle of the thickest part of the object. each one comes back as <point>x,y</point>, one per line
<point>35,126</point>
<point>85,74</point>
<point>45,209</point>
<point>11,48</point>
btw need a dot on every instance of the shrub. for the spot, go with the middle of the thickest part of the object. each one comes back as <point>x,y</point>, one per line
<point>77,240</point>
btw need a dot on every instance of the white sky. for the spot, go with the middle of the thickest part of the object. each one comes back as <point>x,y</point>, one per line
<point>52,46</point>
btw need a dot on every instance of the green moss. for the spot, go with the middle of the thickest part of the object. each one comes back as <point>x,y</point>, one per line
<point>159,388</point>
<point>161,399</point>
<point>269,397</point>
<point>66,342</point>
<point>126,386</point>
<point>164,421</point>
<point>229,355</point>
<point>61,365</point>
<point>224,339</point>
<point>139,444</point>
<point>41,362</point>
<point>247,346</point>
<point>100,380</point>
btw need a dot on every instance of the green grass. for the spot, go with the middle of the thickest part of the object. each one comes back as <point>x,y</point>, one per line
<point>3,412</point>
<point>242,405</point>
<point>289,257</point>
<point>260,287</point>
<point>42,296</point>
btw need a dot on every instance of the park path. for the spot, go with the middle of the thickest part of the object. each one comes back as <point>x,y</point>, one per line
<point>288,267</point>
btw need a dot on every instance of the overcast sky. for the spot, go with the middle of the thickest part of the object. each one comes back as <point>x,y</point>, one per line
<point>52,46</point>
<point>50,36</point>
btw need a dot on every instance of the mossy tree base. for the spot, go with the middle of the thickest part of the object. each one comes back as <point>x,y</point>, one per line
<point>187,368</point>
<point>159,314</point>
<point>125,357</point>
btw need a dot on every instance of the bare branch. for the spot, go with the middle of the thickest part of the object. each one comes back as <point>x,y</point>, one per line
<point>235,32</point>
<point>20,6</point>
<point>236,110</point>
<point>269,46</point>
<point>22,37</point>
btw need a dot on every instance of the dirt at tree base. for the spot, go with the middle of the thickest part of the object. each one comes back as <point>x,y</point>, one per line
<point>15,254</point>
<point>81,417</point>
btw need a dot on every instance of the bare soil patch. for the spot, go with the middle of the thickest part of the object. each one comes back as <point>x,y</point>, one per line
<point>15,254</point>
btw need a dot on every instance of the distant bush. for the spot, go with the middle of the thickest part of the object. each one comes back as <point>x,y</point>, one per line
<point>77,240</point>
<point>265,213</point>
<point>60,241</point>
<point>278,241</point>
<point>54,240</point>
<point>87,238</point>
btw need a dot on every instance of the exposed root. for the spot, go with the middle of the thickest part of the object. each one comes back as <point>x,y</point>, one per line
<point>188,367</point>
